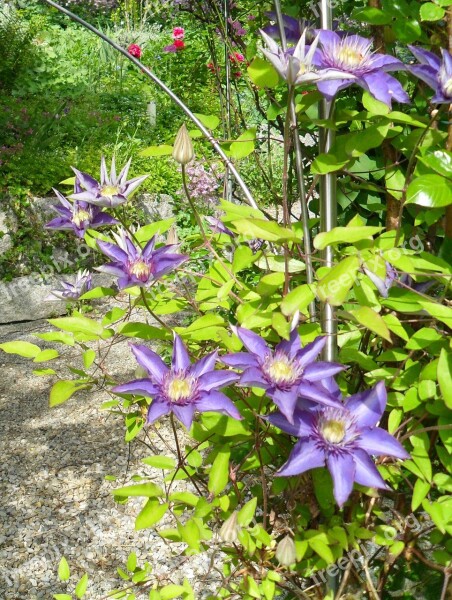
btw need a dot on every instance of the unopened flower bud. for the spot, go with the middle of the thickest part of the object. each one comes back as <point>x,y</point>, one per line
<point>229,531</point>
<point>285,552</point>
<point>183,151</point>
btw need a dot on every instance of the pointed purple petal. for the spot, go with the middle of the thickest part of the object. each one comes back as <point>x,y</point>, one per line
<point>103,171</point>
<point>156,410</point>
<point>206,364</point>
<point>305,455</point>
<point>88,182</point>
<point>311,391</point>
<point>145,387</point>
<point>168,263</point>
<point>330,88</point>
<point>425,57</point>
<point>286,401</point>
<point>59,223</point>
<point>384,87</point>
<point>181,359</point>
<point>320,370</point>
<point>132,185</point>
<point>242,360</point>
<point>253,377</point>
<point>150,361</point>
<point>103,218</point>
<point>113,251</point>
<point>217,402</point>
<point>301,426</point>
<point>252,342</point>
<point>63,200</point>
<point>149,248</point>
<point>88,197</point>
<point>216,379</point>
<point>366,472</point>
<point>291,346</point>
<point>113,178</point>
<point>328,38</point>
<point>367,407</point>
<point>342,469</point>
<point>379,442</point>
<point>184,414</point>
<point>311,351</point>
<point>124,172</point>
<point>111,269</point>
<point>387,62</point>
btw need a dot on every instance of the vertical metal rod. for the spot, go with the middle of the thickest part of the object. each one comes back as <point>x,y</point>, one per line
<point>248,196</point>
<point>227,66</point>
<point>328,204</point>
<point>298,168</point>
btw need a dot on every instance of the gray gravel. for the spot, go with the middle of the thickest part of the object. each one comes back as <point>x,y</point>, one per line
<point>55,500</point>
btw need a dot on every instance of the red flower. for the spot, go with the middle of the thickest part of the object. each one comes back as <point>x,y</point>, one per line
<point>135,50</point>
<point>237,57</point>
<point>179,44</point>
<point>178,33</point>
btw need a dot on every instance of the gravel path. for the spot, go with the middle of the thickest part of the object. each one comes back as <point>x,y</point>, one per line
<point>55,500</point>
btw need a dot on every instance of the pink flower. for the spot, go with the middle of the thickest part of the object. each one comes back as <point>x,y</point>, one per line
<point>237,57</point>
<point>178,33</point>
<point>135,50</point>
<point>179,44</point>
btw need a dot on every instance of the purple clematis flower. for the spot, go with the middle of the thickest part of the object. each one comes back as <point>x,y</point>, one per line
<point>72,291</point>
<point>286,374</point>
<point>78,216</point>
<point>352,55</point>
<point>217,226</point>
<point>136,266</point>
<point>383,285</point>
<point>293,28</point>
<point>437,74</point>
<point>342,439</point>
<point>112,190</point>
<point>183,388</point>
<point>296,65</point>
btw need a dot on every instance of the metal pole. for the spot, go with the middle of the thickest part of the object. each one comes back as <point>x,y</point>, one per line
<point>227,66</point>
<point>170,93</point>
<point>328,205</point>
<point>298,168</point>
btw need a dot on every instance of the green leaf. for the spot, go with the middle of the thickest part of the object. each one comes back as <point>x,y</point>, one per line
<point>162,150</point>
<point>438,311</point>
<point>445,376</point>
<point>62,597</point>
<point>42,372</point>
<point>269,284</point>
<point>78,324</point>
<point>98,292</point>
<point>224,425</point>
<point>171,591</point>
<point>440,161</point>
<point>144,234</point>
<point>344,235</point>
<point>244,145</point>
<point>160,462</point>
<point>372,320</point>
<point>57,336</point>
<point>46,355</point>
<point>81,587</point>
<point>320,546</point>
<point>144,331</point>
<point>262,73</point>
<point>327,163</point>
<point>431,191</point>
<point>219,472</point>
<point>265,230</point>
<point>297,299</point>
<point>63,390</point>
<point>421,489</point>
<point>63,570</point>
<point>246,513</point>
<point>374,106</point>
<point>334,287</point>
<point>150,514</point>
<point>369,14</point>
<point>209,121</point>
<point>243,258</point>
<point>24,349</point>
<point>88,358</point>
<point>148,490</point>
<point>132,562</point>
<point>431,12</point>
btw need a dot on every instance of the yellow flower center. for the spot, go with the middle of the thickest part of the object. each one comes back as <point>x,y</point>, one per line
<point>140,269</point>
<point>350,57</point>
<point>281,370</point>
<point>179,389</point>
<point>80,216</point>
<point>107,191</point>
<point>333,431</point>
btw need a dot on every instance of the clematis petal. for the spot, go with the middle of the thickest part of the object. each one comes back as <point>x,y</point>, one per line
<point>111,269</point>
<point>253,377</point>
<point>149,248</point>
<point>311,391</point>
<point>301,426</point>
<point>103,171</point>
<point>181,359</point>
<point>64,201</point>
<point>425,57</point>
<point>59,223</point>
<point>89,183</point>
<point>103,218</point>
<point>150,361</point>
<point>311,351</point>
<point>291,346</point>
<point>386,62</point>
<point>342,469</point>
<point>366,472</point>
<point>367,407</point>
<point>216,379</point>
<point>206,364</point>
<point>379,442</point>
<point>383,87</point>
<point>286,401</point>
<point>252,342</point>
<point>113,251</point>
<point>124,172</point>
<point>320,370</point>
<point>145,387</point>
<point>168,263</point>
<point>329,88</point>
<point>156,410</point>
<point>132,185</point>
<point>217,402</point>
<point>305,455</point>
<point>184,413</point>
<point>242,360</point>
